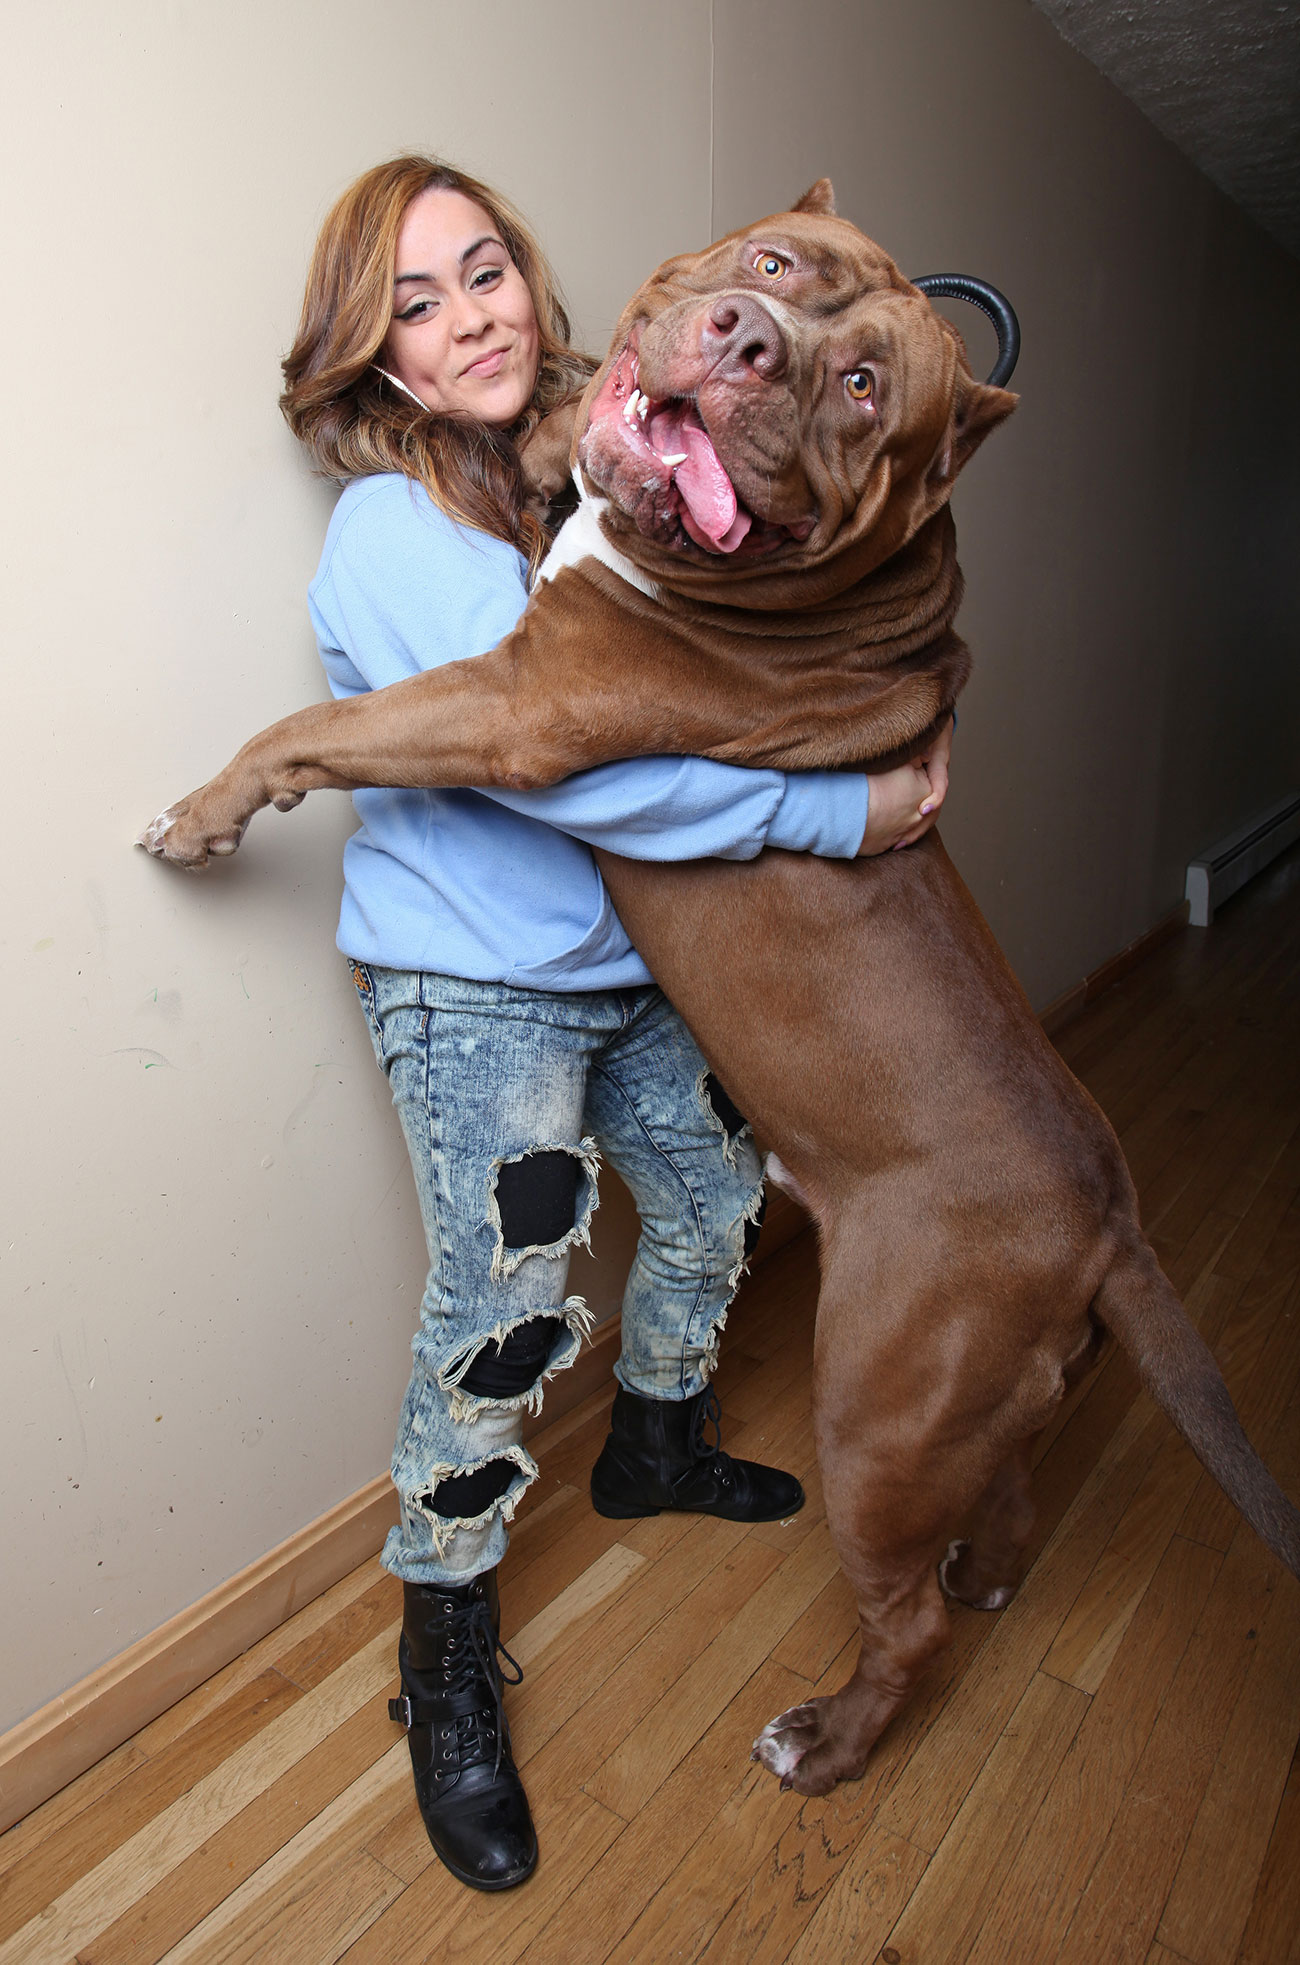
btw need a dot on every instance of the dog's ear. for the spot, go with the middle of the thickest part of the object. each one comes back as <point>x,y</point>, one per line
<point>819,197</point>
<point>977,408</point>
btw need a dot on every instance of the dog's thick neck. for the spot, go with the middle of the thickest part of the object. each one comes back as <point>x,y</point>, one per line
<point>888,610</point>
<point>864,678</point>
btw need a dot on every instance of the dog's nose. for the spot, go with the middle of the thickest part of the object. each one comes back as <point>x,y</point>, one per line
<point>743,336</point>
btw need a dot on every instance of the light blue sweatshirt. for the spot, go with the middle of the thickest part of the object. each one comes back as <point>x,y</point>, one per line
<point>497,885</point>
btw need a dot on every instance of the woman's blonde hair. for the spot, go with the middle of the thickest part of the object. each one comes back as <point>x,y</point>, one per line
<point>353,422</point>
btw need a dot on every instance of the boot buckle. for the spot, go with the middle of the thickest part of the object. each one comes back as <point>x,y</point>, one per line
<point>401,1711</point>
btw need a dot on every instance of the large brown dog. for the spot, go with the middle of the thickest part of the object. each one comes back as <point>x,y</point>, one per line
<point>763,570</point>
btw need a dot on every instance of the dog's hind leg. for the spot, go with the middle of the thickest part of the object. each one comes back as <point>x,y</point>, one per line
<point>983,1569</point>
<point>903,1460</point>
<point>902,1622</point>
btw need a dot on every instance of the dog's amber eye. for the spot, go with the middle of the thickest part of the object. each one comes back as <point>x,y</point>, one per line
<point>860,384</point>
<point>771,266</point>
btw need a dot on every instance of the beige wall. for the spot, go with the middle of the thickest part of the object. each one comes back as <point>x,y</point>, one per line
<point>210,1253</point>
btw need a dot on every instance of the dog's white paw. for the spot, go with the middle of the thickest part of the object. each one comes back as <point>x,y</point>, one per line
<point>189,847</point>
<point>777,1748</point>
<point>152,836</point>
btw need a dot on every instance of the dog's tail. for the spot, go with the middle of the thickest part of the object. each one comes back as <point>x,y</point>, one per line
<point>1137,1303</point>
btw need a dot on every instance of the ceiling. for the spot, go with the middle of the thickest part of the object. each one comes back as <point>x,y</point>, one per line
<point>1220,78</point>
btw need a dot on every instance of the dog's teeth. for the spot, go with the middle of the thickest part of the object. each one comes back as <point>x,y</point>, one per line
<point>632,407</point>
<point>673,462</point>
<point>643,408</point>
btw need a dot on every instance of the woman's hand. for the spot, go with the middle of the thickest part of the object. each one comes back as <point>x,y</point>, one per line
<point>904,803</point>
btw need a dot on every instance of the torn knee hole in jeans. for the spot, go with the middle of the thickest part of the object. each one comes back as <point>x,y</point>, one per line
<point>724,1113</point>
<point>468,1497</point>
<point>506,1369</point>
<point>540,1203</point>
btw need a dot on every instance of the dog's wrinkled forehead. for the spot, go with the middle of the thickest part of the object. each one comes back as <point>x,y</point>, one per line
<point>812,262</point>
<point>839,299</point>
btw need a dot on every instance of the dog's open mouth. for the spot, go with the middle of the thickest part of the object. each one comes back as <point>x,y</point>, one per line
<point>710,511</point>
<point>666,473</point>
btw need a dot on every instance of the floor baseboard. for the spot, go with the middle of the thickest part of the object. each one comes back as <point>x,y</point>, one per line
<point>1064,1008</point>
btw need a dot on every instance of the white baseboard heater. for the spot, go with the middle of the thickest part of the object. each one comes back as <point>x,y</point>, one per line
<point>1229,865</point>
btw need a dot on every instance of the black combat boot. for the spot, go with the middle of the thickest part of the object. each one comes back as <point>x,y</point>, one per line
<point>467,1785</point>
<point>656,1458</point>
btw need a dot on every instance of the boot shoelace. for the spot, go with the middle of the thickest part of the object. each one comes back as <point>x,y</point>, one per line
<point>468,1661</point>
<point>471,1654</point>
<point>709,1412</point>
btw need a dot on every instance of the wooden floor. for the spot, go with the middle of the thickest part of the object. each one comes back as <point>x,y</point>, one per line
<point>1106,1771</point>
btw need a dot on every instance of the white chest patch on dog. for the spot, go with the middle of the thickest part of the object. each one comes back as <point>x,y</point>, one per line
<point>581,537</point>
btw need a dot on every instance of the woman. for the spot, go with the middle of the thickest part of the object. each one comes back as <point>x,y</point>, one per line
<point>518,1028</point>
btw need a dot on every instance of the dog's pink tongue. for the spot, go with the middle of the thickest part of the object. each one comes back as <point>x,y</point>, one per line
<point>707,491</point>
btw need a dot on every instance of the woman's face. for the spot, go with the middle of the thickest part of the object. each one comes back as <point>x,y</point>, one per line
<point>464,334</point>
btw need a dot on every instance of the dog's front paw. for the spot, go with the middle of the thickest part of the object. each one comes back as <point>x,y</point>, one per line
<point>182,836</point>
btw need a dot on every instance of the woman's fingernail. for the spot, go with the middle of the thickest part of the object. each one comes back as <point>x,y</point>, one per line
<point>927,807</point>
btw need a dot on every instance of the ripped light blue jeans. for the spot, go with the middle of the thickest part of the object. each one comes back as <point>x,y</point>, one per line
<point>484,1076</point>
